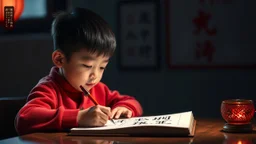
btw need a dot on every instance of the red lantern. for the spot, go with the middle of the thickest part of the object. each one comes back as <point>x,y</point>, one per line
<point>18,8</point>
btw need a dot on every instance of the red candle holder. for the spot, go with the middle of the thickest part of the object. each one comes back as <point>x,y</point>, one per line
<point>238,114</point>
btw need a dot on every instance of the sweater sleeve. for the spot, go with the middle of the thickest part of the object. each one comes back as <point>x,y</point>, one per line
<point>115,99</point>
<point>41,113</point>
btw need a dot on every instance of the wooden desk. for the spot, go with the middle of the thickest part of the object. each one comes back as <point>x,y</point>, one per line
<point>207,131</point>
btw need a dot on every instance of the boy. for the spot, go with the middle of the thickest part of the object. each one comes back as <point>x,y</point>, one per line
<point>83,44</point>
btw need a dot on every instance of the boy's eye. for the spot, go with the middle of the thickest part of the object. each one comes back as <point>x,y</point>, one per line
<point>87,66</point>
<point>102,68</point>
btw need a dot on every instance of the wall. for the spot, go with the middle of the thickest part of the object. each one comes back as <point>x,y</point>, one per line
<point>26,58</point>
<point>169,90</point>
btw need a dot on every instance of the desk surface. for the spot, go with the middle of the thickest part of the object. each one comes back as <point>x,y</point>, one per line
<point>207,131</point>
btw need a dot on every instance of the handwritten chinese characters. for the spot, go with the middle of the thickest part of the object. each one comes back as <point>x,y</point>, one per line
<point>206,48</point>
<point>138,34</point>
<point>156,120</point>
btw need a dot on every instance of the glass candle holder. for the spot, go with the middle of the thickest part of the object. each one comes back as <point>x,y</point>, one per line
<point>238,114</point>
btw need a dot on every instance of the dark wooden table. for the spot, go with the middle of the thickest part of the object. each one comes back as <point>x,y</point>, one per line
<point>207,131</point>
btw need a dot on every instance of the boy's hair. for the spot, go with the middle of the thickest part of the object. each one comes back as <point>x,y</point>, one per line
<point>82,29</point>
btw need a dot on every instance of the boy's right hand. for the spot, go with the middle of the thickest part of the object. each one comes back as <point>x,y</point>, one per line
<point>94,116</point>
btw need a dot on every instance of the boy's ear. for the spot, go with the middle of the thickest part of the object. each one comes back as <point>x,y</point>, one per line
<point>58,58</point>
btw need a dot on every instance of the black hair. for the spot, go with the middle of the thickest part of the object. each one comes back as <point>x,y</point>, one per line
<point>82,29</point>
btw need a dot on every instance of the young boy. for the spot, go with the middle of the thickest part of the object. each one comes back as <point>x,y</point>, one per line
<point>83,45</point>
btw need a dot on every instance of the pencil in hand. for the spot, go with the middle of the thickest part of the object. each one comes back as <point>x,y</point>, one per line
<point>91,98</point>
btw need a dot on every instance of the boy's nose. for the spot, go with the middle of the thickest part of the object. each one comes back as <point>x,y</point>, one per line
<point>92,77</point>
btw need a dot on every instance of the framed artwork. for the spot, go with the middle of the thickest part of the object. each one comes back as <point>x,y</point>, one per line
<point>137,35</point>
<point>210,34</point>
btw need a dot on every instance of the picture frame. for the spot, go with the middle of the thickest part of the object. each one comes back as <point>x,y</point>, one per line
<point>138,35</point>
<point>208,35</point>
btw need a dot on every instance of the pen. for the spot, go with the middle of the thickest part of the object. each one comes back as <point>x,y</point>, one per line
<point>92,99</point>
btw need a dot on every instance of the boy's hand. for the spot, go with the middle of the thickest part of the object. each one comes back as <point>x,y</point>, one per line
<point>94,116</point>
<point>121,111</point>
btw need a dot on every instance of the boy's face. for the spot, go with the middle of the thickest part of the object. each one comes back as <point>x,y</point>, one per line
<point>84,69</point>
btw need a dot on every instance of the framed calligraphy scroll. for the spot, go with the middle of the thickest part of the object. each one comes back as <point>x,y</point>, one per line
<point>138,38</point>
<point>210,34</point>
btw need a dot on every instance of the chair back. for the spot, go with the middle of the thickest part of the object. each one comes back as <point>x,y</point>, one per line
<point>9,107</point>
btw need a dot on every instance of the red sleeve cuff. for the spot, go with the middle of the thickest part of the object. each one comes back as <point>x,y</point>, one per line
<point>69,118</point>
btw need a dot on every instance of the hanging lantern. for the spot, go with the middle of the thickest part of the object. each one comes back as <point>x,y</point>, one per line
<point>18,8</point>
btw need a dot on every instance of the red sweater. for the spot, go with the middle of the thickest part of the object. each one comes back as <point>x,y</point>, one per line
<point>53,104</point>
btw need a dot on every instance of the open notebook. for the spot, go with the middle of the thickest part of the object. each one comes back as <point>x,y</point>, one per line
<point>178,124</point>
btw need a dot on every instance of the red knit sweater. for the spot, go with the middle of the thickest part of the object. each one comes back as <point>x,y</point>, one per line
<point>53,104</point>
